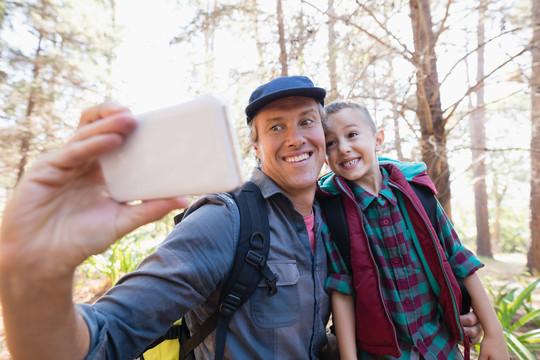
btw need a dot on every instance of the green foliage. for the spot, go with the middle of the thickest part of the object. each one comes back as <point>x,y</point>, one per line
<point>515,309</point>
<point>126,254</point>
<point>121,258</point>
<point>514,230</point>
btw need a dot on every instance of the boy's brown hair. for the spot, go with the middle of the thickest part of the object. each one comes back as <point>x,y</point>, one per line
<point>338,106</point>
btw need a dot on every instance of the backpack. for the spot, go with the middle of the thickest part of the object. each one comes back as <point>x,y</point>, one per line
<point>248,267</point>
<point>337,225</point>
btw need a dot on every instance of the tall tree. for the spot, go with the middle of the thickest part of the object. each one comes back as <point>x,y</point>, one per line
<point>478,145</point>
<point>283,58</point>
<point>53,71</point>
<point>533,258</point>
<point>333,92</point>
<point>429,111</point>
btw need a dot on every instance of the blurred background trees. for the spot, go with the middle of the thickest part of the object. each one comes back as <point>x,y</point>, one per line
<point>453,83</point>
<point>54,58</point>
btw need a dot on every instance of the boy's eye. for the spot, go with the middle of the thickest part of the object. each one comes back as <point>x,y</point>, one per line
<point>330,143</point>
<point>352,134</point>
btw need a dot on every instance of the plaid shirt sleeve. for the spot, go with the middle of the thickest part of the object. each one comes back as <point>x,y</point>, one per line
<point>339,278</point>
<point>462,261</point>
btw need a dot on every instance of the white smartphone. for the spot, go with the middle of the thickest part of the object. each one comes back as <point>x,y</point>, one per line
<point>186,149</point>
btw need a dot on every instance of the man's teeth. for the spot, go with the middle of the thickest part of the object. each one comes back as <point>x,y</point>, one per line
<point>349,163</point>
<point>298,158</point>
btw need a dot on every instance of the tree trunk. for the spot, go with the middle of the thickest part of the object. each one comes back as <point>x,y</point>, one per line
<point>26,134</point>
<point>333,94</point>
<point>533,258</point>
<point>256,32</point>
<point>396,117</point>
<point>282,45</point>
<point>110,54</point>
<point>209,35</point>
<point>429,112</point>
<point>478,145</point>
<point>499,196</point>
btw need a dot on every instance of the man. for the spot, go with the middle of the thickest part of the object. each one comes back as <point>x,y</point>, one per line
<point>61,213</point>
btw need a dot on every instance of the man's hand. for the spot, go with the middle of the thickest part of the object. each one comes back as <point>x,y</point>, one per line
<point>493,348</point>
<point>472,327</point>
<point>61,212</point>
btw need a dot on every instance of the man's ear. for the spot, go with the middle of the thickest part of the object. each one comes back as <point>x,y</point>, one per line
<point>257,151</point>
<point>379,140</point>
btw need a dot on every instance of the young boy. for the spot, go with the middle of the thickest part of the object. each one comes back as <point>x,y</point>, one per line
<point>402,276</point>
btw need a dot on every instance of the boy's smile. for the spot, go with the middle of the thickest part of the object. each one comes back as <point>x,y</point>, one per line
<point>350,163</point>
<point>351,147</point>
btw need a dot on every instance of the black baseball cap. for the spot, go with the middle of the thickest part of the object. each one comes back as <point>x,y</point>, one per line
<point>282,87</point>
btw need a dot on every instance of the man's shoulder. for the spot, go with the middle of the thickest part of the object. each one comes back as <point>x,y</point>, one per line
<point>220,199</point>
<point>216,209</point>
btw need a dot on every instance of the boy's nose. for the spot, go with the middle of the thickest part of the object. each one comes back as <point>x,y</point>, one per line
<point>344,148</point>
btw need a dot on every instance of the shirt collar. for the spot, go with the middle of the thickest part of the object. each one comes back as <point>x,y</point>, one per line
<point>365,198</point>
<point>267,186</point>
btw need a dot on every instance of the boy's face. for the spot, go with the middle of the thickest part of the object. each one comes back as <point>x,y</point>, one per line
<point>351,146</point>
<point>290,143</point>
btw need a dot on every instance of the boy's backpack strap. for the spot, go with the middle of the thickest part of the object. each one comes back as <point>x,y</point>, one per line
<point>429,202</point>
<point>334,216</point>
<point>248,267</point>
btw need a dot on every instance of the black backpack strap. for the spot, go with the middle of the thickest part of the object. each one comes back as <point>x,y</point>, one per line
<point>250,260</point>
<point>178,217</point>
<point>248,267</point>
<point>429,202</point>
<point>334,215</point>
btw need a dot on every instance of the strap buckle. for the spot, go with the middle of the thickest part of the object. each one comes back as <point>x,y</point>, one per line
<point>254,259</point>
<point>229,305</point>
<point>272,288</point>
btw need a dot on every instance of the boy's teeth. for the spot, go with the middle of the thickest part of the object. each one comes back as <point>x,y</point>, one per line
<point>349,163</point>
<point>298,158</point>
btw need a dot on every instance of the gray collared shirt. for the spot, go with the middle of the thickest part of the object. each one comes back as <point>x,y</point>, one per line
<point>185,273</point>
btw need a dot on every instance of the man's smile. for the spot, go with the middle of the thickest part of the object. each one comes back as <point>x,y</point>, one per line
<point>297,158</point>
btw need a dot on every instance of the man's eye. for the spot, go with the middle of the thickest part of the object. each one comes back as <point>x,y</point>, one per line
<point>276,128</point>
<point>353,134</point>
<point>307,122</point>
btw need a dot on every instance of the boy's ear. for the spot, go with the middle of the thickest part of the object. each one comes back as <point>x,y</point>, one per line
<point>379,140</point>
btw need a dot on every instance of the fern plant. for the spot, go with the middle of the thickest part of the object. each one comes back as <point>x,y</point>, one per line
<point>514,307</point>
<point>121,258</point>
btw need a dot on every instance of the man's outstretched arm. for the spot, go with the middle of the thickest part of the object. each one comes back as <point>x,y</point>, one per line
<point>59,215</point>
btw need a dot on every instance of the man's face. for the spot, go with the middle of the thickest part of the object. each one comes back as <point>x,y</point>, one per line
<point>290,143</point>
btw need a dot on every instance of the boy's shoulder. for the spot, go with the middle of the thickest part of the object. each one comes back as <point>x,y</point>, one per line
<point>409,169</point>
<point>413,172</point>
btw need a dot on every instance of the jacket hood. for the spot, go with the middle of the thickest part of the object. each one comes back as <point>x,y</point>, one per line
<point>412,171</point>
<point>415,172</point>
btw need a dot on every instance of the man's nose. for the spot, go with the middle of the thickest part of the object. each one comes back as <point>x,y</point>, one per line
<point>295,137</point>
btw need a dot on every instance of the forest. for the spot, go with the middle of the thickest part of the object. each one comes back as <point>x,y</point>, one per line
<point>454,84</point>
